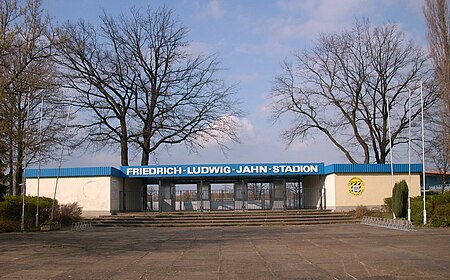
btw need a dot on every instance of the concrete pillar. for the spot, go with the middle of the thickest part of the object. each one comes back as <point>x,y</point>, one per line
<point>204,195</point>
<point>240,195</point>
<point>166,197</point>
<point>278,195</point>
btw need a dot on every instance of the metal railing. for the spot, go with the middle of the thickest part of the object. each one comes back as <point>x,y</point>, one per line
<point>438,187</point>
<point>77,226</point>
<point>387,223</point>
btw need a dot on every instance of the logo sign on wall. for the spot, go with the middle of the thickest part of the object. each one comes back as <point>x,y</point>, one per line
<point>355,186</point>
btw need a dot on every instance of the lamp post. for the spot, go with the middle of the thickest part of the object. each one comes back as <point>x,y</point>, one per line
<point>52,213</point>
<point>39,163</point>
<point>390,148</point>
<point>423,159</point>
<point>409,156</point>
<point>24,184</point>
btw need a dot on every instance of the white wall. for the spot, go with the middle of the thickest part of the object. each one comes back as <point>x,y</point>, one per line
<point>91,193</point>
<point>330,191</point>
<point>116,188</point>
<point>311,185</point>
<point>376,188</point>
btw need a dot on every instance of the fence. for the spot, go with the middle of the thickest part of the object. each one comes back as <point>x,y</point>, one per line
<point>388,223</point>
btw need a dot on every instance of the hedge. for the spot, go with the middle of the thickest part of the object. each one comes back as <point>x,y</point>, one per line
<point>11,212</point>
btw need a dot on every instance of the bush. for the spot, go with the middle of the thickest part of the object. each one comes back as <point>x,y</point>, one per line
<point>8,225</point>
<point>441,216</point>
<point>388,204</point>
<point>400,199</point>
<point>438,209</point>
<point>417,210</point>
<point>11,209</point>
<point>439,198</point>
<point>11,212</point>
<point>69,213</point>
<point>2,192</point>
<point>361,211</point>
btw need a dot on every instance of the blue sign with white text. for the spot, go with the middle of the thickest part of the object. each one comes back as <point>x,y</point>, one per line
<point>220,170</point>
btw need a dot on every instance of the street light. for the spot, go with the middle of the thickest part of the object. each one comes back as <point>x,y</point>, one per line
<point>390,149</point>
<point>24,180</point>
<point>423,159</point>
<point>52,213</point>
<point>409,156</point>
<point>39,163</point>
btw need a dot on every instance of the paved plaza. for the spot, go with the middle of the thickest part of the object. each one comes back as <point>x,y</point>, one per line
<point>349,251</point>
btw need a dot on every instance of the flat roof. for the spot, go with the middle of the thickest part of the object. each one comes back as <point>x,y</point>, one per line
<point>250,170</point>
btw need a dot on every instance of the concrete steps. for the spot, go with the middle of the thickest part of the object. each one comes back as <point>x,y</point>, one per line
<point>221,218</point>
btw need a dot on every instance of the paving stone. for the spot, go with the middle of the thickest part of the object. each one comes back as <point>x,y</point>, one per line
<point>348,251</point>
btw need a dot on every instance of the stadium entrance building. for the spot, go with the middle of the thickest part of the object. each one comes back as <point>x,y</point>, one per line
<point>206,187</point>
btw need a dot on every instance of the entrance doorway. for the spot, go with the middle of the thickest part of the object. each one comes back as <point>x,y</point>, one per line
<point>222,197</point>
<point>186,197</point>
<point>257,194</point>
<point>293,195</point>
<point>151,197</point>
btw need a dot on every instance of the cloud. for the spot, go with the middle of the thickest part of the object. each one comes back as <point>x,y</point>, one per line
<point>245,77</point>
<point>299,146</point>
<point>222,131</point>
<point>327,10</point>
<point>295,28</point>
<point>89,159</point>
<point>215,9</point>
<point>265,109</point>
<point>412,5</point>
<point>271,47</point>
<point>202,48</point>
<point>259,145</point>
<point>306,19</point>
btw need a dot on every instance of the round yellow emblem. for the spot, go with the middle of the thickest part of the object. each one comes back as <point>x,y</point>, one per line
<point>355,186</point>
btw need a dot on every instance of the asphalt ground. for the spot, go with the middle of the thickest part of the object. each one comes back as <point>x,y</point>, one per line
<point>348,251</point>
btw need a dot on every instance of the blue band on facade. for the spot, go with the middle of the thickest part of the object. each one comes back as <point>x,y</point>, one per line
<point>221,170</point>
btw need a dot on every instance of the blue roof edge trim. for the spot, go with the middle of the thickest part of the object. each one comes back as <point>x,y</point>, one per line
<point>371,168</point>
<point>74,172</point>
<point>325,170</point>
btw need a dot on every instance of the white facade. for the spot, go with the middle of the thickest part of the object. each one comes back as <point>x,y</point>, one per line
<point>104,191</point>
<point>97,195</point>
<point>376,188</point>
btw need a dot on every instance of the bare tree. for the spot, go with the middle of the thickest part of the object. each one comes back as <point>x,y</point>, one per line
<point>344,86</point>
<point>437,14</point>
<point>141,87</point>
<point>27,76</point>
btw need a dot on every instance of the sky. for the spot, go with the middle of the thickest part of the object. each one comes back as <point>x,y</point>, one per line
<point>251,38</point>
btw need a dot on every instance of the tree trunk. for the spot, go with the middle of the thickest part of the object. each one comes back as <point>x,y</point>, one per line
<point>123,142</point>
<point>123,152</point>
<point>145,154</point>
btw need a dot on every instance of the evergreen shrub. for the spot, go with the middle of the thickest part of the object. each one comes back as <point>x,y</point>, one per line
<point>438,209</point>
<point>400,199</point>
